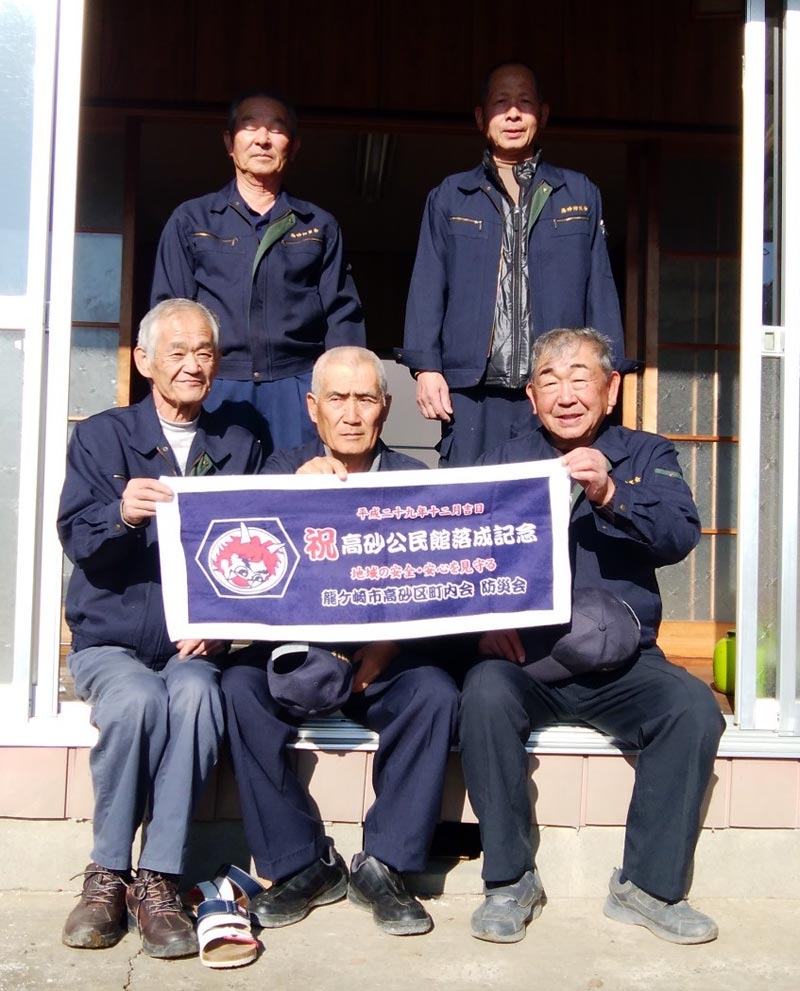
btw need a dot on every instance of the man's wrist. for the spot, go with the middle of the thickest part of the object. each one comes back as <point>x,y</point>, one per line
<point>125,520</point>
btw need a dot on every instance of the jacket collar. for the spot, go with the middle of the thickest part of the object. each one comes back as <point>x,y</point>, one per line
<point>209,450</point>
<point>477,178</point>
<point>610,440</point>
<point>229,196</point>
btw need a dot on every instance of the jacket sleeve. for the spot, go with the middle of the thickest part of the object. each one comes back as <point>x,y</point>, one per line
<point>339,297</point>
<point>602,305</point>
<point>655,508</point>
<point>90,526</point>
<point>281,462</point>
<point>427,294</point>
<point>173,274</point>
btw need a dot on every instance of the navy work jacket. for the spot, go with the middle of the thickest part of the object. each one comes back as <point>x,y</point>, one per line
<point>287,462</point>
<point>281,299</point>
<point>654,520</point>
<point>114,594</point>
<point>451,300</point>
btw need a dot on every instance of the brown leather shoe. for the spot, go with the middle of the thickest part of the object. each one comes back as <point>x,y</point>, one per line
<point>155,909</point>
<point>98,920</point>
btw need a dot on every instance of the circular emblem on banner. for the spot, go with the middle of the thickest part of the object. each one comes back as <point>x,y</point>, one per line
<point>248,560</point>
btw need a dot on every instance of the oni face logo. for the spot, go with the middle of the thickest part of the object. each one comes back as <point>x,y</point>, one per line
<point>248,559</point>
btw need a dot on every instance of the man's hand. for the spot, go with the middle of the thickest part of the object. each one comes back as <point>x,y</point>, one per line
<point>502,643</point>
<point>433,396</point>
<point>323,466</point>
<point>373,659</point>
<point>140,498</point>
<point>588,468</point>
<point>200,648</point>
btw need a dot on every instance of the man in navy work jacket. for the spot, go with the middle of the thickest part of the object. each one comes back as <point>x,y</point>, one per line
<point>632,514</point>
<point>396,691</point>
<point>507,251</point>
<point>156,704</point>
<point>269,265</point>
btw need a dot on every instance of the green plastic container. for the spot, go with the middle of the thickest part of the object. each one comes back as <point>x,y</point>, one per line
<point>725,663</point>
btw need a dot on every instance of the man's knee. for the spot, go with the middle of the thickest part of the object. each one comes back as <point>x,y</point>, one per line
<point>432,687</point>
<point>492,694</point>
<point>703,710</point>
<point>193,686</point>
<point>688,704</point>
<point>490,683</point>
<point>138,698</point>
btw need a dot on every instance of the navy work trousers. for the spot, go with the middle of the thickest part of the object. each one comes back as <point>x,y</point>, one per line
<point>669,716</point>
<point>276,412</point>
<point>413,707</point>
<point>483,417</point>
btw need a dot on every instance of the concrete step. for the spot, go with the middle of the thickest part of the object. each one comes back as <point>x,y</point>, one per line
<point>41,855</point>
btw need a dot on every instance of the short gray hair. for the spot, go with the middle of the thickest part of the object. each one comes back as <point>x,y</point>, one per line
<point>261,94</point>
<point>558,342</point>
<point>146,338</point>
<point>348,355</point>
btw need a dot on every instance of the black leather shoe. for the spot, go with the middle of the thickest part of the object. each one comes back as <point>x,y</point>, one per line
<point>380,889</point>
<point>293,898</point>
<point>98,920</point>
<point>155,909</point>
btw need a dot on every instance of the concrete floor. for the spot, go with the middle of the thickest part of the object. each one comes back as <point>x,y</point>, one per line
<point>571,947</point>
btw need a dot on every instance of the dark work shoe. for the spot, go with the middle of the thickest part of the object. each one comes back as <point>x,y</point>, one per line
<point>677,922</point>
<point>378,888</point>
<point>291,900</point>
<point>507,910</point>
<point>98,920</point>
<point>155,909</point>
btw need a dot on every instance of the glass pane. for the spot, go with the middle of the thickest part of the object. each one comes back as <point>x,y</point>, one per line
<point>98,276</point>
<point>769,528</point>
<point>11,362</point>
<point>17,52</point>
<point>93,370</point>
<point>703,587</point>
<point>698,392</point>
<point>711,471</point>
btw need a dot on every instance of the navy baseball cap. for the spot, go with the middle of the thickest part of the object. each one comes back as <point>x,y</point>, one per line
<point>308,680</point>
<point>602,635</point>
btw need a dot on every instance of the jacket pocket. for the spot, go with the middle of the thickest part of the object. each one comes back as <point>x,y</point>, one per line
<point>206,241</point>
<point>566,226</point>
<point>467,227</point>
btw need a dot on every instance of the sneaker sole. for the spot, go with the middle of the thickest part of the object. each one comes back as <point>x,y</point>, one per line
<point>613,910</point>
<point>493,937</point>
<point>334,894</point>
<point>414,927</point>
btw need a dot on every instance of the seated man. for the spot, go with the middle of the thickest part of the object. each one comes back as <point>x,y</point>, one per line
<point>632,513</point>
<point>396,691</point>
<point>157,705</point>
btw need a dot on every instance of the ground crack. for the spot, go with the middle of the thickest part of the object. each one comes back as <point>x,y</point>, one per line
<point>126,984</point>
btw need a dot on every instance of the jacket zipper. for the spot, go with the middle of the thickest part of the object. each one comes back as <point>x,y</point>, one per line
<point>232,241</point>
<point>516,308</point>
<point>469,220</point>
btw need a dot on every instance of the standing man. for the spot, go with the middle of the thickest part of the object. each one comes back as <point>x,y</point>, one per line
<point>270,266</point>
<point>507,251</point>
<point>632,513</point>
<point>156,704</point>
<point>397,692</point>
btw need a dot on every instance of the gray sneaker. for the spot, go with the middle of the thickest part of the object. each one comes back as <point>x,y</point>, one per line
<point>676,922</point>
<point>506,911</point>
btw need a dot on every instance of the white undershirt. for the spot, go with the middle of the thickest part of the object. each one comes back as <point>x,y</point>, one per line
<point>180,437</point>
